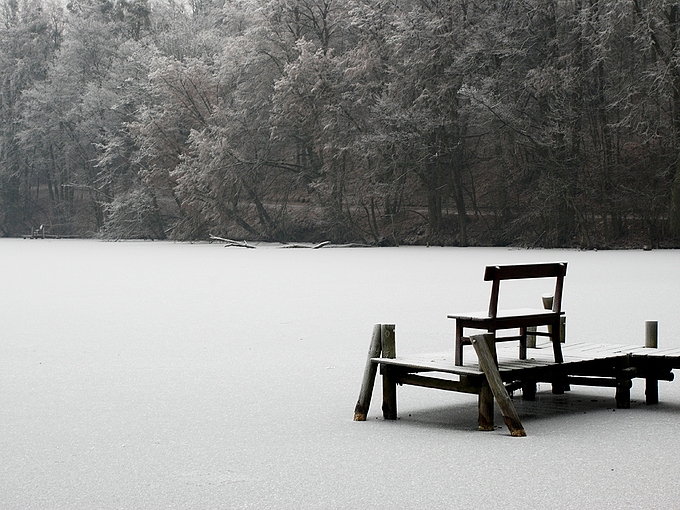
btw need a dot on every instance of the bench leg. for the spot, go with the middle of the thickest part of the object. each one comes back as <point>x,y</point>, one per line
<point>523,343</point>
<point>485,405</point>
<point>555,338</point>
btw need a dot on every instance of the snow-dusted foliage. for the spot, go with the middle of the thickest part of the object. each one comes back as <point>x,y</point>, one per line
<point>538,123</point>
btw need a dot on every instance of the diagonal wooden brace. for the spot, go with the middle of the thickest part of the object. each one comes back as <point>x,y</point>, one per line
<point>374,350</point>
<point>487,363</point>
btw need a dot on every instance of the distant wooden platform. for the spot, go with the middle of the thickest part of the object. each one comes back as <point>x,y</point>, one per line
<point>589,364</point>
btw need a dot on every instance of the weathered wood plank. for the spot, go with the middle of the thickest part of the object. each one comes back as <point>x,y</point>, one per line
<point>665,352</point>
<point>462,386</point>
<point>521,271</point>
<point>432,366</point>
<point>592,381</point>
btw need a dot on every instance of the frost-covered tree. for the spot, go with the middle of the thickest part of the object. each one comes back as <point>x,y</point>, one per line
<point>29,37</point>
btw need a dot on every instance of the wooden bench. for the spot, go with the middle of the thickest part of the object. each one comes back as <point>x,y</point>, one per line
<point>496,320</point>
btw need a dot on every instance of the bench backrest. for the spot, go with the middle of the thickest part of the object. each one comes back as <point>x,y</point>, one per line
<point>495,274</point>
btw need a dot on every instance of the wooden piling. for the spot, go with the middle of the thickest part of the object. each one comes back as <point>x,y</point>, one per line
<point>652,334</point>
<point>624,383</point>
<point>623,387</point>
<point>529,390</point>
<point>366,392</point>
<point>652,342</point>
<point>389,350</point>
<point>488,364</point>
<point>485,408</point>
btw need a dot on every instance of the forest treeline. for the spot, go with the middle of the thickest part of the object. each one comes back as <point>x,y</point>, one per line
<point>489,122</point>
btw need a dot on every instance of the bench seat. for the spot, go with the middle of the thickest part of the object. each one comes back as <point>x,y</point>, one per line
<point>504,315</point>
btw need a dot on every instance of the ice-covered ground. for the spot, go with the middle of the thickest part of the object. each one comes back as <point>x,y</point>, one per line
<point>161,375</point>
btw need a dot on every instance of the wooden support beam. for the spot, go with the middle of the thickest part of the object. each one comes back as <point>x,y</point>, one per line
<point>488,364</point>
<point>463,386</point>
<point>651,391</point>
<point>366,392</point>
<point>623,387</point>
<point>652,342</point>
<point>389,350</point>
<point>529,390</point>
<point>603,382</point>
<point>624,384</point>
<point>485,408</point>
<point>659,375</point>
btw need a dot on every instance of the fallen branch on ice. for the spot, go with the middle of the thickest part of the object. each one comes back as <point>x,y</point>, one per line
<point>312,246</point>
<point>231,242</point>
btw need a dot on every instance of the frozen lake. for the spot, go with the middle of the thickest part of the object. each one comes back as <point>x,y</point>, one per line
<point>163,375</point>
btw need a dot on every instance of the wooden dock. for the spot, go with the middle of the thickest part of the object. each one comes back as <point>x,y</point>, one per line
<point>499,374</point>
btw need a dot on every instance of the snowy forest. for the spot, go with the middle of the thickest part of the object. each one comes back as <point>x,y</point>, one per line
<point>540,123</point>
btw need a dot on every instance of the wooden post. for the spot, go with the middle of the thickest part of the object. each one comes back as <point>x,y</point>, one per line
<point>389,350</point>
<point>485,408</point>
<point>558,388</point>
<point>487,363</point>
<point>366,392</point>
<point>531,339</point>
<point>623,385</point>
<point>652,342</point>
<point>529,390</point>
<point>548,305</point>
<point>547,301</point>
<point>652,334</point>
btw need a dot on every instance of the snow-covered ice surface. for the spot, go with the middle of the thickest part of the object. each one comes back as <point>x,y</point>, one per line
<point>163,375</point>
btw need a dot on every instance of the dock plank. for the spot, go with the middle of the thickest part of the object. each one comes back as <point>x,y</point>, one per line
<point>579,358</point>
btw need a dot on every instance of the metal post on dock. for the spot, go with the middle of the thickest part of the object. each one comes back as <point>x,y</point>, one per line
<point>652,342</point>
